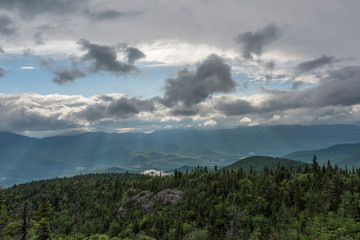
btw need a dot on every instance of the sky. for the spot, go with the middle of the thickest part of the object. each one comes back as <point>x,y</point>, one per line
<point>69,66</point>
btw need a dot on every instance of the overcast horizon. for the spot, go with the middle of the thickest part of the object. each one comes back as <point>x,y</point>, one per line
<point>74,66</point>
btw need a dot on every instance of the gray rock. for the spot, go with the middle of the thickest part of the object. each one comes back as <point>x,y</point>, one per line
<point>121,211</point>
<point>148,202</point>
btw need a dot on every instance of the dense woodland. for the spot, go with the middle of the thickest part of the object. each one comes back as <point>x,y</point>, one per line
<point>314,202</point>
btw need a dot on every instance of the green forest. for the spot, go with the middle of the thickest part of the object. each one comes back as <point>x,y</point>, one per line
<point>308,202</point>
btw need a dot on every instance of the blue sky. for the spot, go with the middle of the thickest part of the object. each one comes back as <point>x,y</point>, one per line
<point>148,65</point>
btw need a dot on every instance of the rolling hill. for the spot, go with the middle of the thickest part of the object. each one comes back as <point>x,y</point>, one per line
<point>258,163</point>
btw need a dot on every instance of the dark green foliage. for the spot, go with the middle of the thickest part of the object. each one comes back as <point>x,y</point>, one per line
<point>276,203</point>
<point>4,217</point>
<point>25,215</point>
<point>261,163</point>
<point>43,217</point>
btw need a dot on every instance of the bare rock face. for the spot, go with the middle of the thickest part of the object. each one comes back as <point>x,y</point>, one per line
<point>141,197</point>
<point>168,195</point>
<point>147,201</point>
<point>121,211</point>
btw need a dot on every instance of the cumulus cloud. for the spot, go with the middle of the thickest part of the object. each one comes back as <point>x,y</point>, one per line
<point>121,108</point>
<point>104,58</point>
<point>192,87</point>
<point>133,54</point>
<point>314,64</point>
<point>7,27</point>
<point>338,88</point>
<point>246,120</point>
<point>64,75</point>
<point>96,58</point>
<point>255,42</point>
<point>210,123</point>
<point>35,112</point>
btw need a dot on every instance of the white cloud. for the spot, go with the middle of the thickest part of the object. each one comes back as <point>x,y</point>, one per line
<point>125,130</point>
<point>27,68</point>
<point>149,131</point>
<point>175,52</point>
<point>246,120</point>
<point>210,123</point>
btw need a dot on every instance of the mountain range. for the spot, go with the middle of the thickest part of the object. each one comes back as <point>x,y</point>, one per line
<point>24,159</point>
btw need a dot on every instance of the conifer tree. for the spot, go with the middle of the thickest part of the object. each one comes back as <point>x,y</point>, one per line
<point>43,215</point>
<point>25,220</point>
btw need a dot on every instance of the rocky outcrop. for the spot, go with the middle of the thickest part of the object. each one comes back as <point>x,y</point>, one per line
<point>121,211</point>
<point>148,201</point>
<point>168,196</point>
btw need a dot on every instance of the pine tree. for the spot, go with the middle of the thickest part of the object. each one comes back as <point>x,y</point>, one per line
<point>316,167</point>
<point>25,220</point>
<point>43,215</point>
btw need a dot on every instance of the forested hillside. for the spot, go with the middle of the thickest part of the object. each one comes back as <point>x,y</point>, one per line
<point>258,163</point>
<point>310,203</point>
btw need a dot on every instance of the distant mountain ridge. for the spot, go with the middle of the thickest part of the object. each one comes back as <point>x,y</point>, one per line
<point>258,163</point>
<point>341,154</point>
<point>24,159</point>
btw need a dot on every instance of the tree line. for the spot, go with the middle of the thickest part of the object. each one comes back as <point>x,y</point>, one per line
<point>314,202</point>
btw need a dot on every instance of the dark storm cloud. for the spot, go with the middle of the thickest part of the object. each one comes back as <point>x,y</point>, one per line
<point>338,88</point>
<point>25,120</point>
<point>104,58</point>
<point>185,111</point>
<point>121,108</point>
<point>64,75</point>
<point>192,87</point>
<point>124,108</point>
<point>108,14</point>
<point>97,58</point>
<point>6,26</point>
<point>255,42</point>
<point>311,65</point>
<point>33,8</point>
<point>133,54</point>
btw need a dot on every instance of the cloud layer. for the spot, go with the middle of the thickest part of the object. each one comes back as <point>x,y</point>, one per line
<point>286,64</point>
